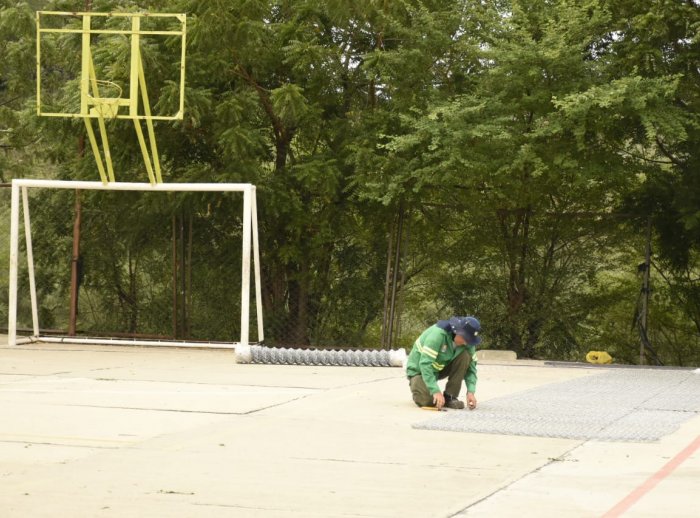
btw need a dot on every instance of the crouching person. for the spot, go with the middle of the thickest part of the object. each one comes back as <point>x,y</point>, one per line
<point>445,350</point>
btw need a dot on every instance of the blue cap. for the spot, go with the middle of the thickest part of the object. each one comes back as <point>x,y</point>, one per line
<point>468,328</point>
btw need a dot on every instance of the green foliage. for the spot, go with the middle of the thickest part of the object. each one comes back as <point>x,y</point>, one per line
<point>526,143</point>
<point>652,120</point>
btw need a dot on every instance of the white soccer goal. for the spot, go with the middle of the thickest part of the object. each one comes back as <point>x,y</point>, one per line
<point>250,245</point>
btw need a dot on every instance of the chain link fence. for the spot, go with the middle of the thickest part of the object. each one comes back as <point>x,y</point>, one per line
<point>130,264</point>
<point>24,315</point>
<point>167,266</point>
<point>4,252</point>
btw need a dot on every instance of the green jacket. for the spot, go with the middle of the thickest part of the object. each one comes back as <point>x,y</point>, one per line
<point>432,351</point>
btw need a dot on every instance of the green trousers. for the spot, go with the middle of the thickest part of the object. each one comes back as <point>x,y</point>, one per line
<point>455,371</point>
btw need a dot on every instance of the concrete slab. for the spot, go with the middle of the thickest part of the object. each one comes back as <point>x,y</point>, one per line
<point>101,431</point>
<point>496,355</point>
<point>591,478</point>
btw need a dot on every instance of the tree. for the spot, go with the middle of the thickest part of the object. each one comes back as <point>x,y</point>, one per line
<point>302,91</point>
<point>647,112</point>
<point>533,194</point>
<point>511,139</point>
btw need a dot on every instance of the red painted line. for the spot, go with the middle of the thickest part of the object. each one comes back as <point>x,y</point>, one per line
<point>651,482</point>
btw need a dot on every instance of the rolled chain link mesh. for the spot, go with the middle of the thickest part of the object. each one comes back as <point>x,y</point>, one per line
<point>283,356</point>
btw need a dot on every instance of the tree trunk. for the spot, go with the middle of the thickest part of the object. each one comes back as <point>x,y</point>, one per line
<point>516,243</point>
<point>301,331</point>
<point>132,300</point>
<point>75,274</point>
<point>282,140</point>
<point>174,276</point>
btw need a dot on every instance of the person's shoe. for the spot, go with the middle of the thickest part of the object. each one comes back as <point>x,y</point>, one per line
<point>453,402</point>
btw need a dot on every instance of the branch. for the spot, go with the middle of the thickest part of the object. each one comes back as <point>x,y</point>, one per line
<point>644,159</point>
<point>18,146</point>
<point>668,154</point>
<point>10,101</point>
<point>262,92</point>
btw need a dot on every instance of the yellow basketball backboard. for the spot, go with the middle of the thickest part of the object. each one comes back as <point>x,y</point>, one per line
<point>90,27</point>
<point>113,86</point>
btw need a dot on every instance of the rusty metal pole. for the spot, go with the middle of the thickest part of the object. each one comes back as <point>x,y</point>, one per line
<point>73,316</point>
<point>75,258</point>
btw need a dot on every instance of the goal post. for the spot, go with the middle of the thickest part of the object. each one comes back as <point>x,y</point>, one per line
<point>250,252</point>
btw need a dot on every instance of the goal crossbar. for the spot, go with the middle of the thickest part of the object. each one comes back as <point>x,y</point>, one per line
<point>250,247</point>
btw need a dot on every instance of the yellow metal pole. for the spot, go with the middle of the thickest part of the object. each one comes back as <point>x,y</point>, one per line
<point>85,69</point>
<point>100,118</point>
<point>183,18</point>
<point>149,122</point>
<point>105,146</point>
<point>95,149</point>
<point>93,77</point>
<point>134,93</point>
<point>112,14</point>
<point>144,151</point>
<point>38,64</point>
<point>133,78</point>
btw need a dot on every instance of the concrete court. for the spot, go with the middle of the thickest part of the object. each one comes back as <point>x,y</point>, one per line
<point>149,432</point>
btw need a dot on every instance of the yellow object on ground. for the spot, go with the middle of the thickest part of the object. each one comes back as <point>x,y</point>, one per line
<point>598,357</point>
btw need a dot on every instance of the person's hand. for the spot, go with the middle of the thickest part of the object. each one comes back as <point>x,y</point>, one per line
<point>471,401</point>
<point>439,400</point>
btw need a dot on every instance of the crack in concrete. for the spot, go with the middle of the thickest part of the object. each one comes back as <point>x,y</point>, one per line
<point>551,460</point>
<point>41,443</point>
<point>263,508</point>
<point>144,409</point>
<point>387,463</point>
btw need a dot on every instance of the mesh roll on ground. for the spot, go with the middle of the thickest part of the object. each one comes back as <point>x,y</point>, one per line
<point>283,356</point>
<point>620,405</point>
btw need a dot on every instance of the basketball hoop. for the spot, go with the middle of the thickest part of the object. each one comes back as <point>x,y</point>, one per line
<point>106,107</point>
